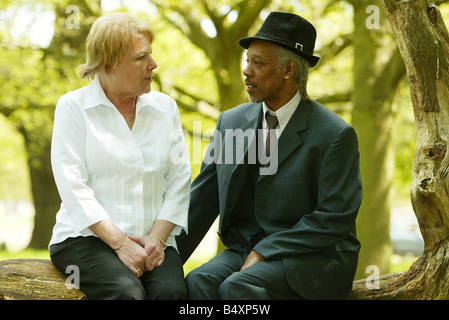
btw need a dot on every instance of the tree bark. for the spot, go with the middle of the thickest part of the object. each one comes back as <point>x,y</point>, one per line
<point>35,279</point>
<point>424,44</point>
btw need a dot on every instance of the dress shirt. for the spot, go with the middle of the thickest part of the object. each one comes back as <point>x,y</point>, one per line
<point>283,114</point>
<point>105,170</point>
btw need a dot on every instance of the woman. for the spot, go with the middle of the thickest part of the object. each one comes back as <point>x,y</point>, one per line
<point>124,195</point>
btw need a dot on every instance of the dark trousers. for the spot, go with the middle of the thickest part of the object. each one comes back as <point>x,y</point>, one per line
<point>221,278</point>
<point>102,275</point>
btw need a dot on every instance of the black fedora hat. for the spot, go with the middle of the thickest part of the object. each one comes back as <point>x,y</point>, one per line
<point>290,31</point>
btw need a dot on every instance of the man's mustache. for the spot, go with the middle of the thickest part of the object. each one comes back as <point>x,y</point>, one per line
<point>252,84</point>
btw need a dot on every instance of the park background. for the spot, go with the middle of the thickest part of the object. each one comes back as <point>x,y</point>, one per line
<point>361,77</point>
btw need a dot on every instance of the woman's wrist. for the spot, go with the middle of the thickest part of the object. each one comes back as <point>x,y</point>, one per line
<point>123,243</point>
<point>107,231</point>
<point>161,230</point>
<point>164,245</point>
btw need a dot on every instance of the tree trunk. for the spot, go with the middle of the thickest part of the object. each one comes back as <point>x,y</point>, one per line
<point>424,44</point>
<point>46,203</point>
<point>46,198</point>
<point>375,82</point>
<point>230,80</point>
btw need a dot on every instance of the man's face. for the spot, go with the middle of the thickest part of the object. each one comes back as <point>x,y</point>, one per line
<point>263,80</point>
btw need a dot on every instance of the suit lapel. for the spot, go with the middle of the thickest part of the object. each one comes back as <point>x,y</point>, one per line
<point>290,139</point>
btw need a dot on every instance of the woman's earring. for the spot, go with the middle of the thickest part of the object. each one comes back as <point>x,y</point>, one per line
<point>287,77</point>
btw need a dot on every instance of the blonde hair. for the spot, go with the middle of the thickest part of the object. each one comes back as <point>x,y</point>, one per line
<point>108,41</point>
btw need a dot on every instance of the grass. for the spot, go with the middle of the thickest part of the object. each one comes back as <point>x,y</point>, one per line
<point>24,254</point>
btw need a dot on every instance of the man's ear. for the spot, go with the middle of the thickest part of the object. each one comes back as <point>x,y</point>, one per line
<point>290,69</point>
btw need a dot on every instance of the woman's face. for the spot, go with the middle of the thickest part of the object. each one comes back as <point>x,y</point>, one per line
<point>134,75</point>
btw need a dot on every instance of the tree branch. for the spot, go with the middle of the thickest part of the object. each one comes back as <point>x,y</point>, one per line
<point>248,13</point>
<point>334,48</point>
<point>191,27</point>
<point>338,97</point>
<point>391,75</point>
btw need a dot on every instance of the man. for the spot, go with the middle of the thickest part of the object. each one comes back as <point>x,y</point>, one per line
<point>290,233</point>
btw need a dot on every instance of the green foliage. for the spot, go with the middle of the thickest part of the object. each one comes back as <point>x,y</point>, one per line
<point>14,178</point>
<point>185,66</point>
<point>24,254</point>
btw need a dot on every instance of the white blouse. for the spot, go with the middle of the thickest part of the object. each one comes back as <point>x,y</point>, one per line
<point>104,170</point>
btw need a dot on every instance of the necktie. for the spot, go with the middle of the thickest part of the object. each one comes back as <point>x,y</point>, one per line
<point>272,123</point>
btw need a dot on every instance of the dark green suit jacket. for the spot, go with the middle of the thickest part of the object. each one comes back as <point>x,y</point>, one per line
<point>307,208</point>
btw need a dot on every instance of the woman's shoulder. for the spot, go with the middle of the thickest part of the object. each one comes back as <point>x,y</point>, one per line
<point>159,100</point>
<point>73,97</point>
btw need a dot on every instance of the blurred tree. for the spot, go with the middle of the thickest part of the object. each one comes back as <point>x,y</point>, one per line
<point>14,179</point>
<point>377,71</point>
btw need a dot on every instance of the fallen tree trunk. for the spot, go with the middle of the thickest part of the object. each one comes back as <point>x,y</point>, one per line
<point>34,279</point>
<point>38,279</point>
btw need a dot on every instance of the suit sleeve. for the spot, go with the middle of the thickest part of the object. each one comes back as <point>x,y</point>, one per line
<point>339,198</point>
<point>204,204</point>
